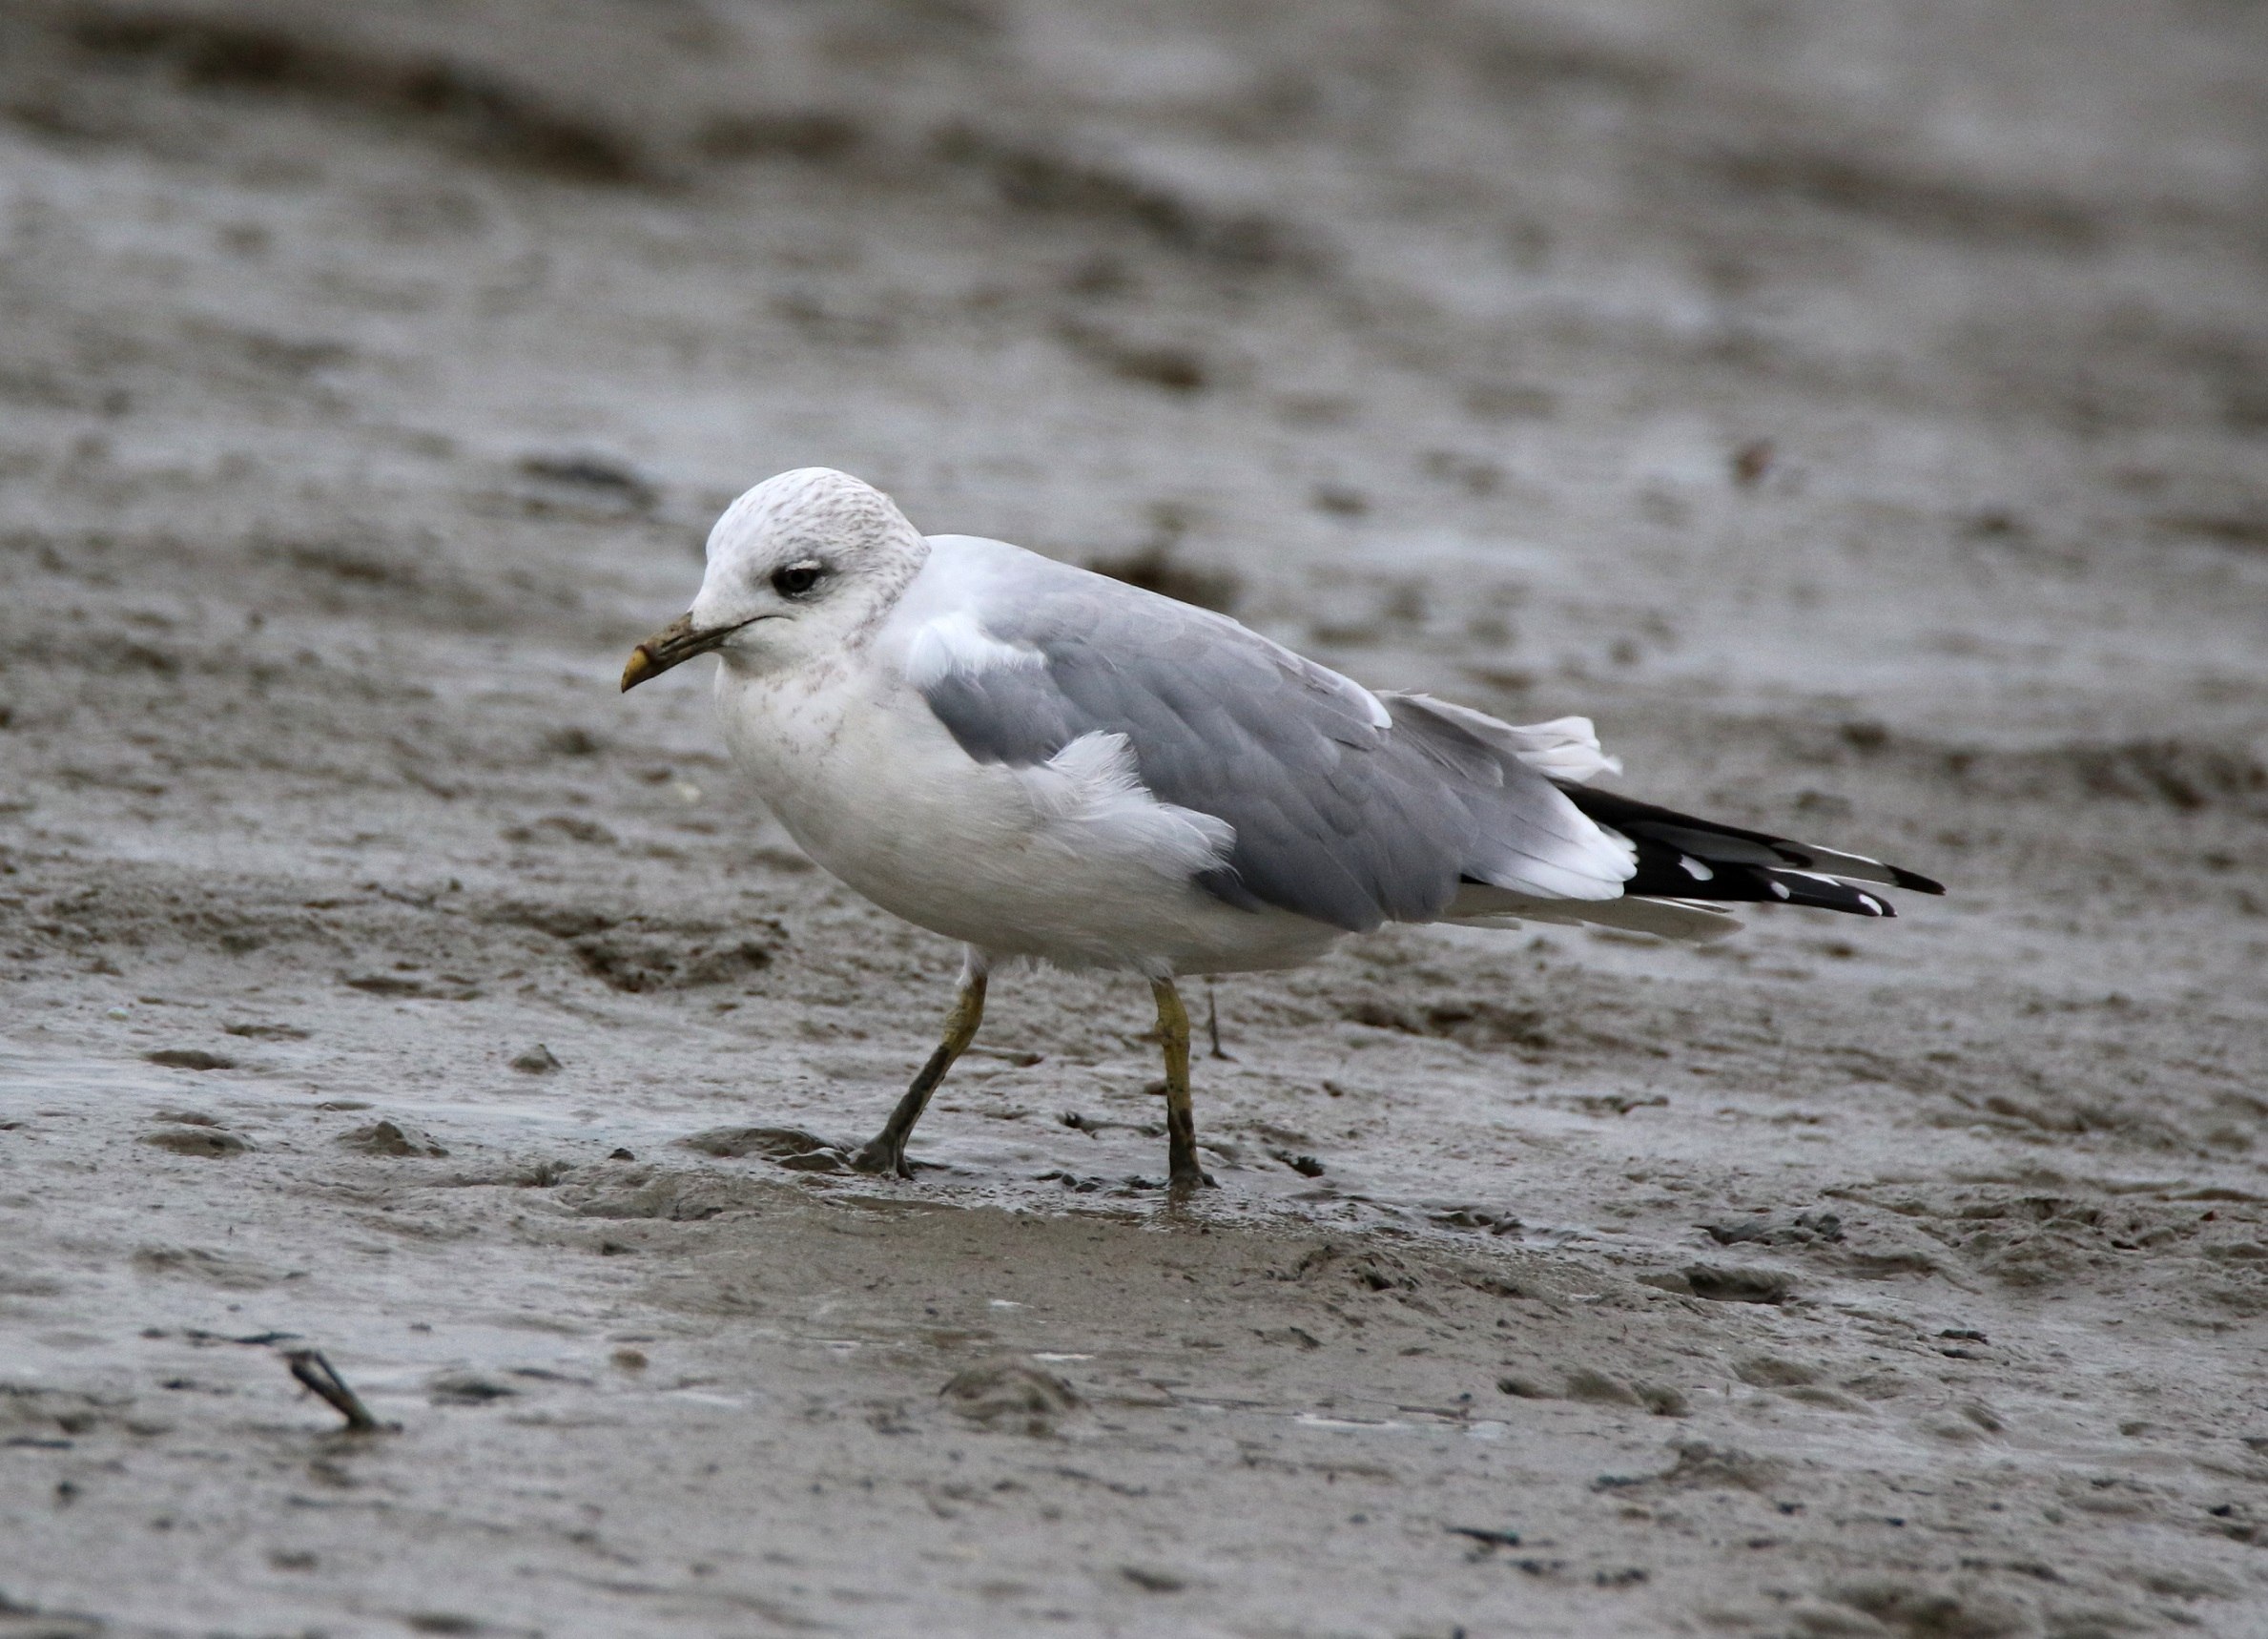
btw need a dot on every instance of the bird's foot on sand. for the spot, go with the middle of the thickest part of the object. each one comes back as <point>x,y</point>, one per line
<point>884,1158</point>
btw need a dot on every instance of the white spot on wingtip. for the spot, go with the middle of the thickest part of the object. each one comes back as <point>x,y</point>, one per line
<point>1694,869</point>
<point>1781,888</point>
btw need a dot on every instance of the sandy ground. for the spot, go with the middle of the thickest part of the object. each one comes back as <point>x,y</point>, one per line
<point>1859,410</point>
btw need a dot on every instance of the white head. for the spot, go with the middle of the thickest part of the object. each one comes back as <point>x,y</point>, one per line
<point>803,566</point>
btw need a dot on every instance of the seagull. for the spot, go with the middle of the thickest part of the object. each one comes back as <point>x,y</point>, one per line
<point>1040,761</point>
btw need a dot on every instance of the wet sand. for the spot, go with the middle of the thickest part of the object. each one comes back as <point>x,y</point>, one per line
<point>1860,412</point>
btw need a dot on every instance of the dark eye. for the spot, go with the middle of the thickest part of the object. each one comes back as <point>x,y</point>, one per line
<point>796,579</point>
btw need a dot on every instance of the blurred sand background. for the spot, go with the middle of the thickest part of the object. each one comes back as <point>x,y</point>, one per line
<point>1859,410</point>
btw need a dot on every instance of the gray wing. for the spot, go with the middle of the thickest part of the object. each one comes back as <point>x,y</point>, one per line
<point>1343,812</point>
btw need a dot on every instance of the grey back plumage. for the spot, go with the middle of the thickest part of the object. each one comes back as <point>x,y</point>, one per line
<point>1349,808</point>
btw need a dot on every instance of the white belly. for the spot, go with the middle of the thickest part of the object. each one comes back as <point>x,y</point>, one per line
<point>1063,863</point>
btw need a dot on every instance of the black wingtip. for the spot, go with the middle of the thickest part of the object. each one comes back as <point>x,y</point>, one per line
<point>1915,881</point>
<point>1868,905</point>
<point>1823,893</point>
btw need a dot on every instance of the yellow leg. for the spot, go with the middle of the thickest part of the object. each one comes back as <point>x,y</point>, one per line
<point>1183,1172</point>
<point>886,1151</point>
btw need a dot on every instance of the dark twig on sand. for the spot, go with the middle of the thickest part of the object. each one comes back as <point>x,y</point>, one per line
<point>310,1367</point>
<point>1486,1537</point>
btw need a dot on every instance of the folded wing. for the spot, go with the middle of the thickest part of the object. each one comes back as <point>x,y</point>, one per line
<point>1346,808</point>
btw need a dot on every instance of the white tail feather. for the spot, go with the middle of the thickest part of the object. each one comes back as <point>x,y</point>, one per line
<point>1565,748</point>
